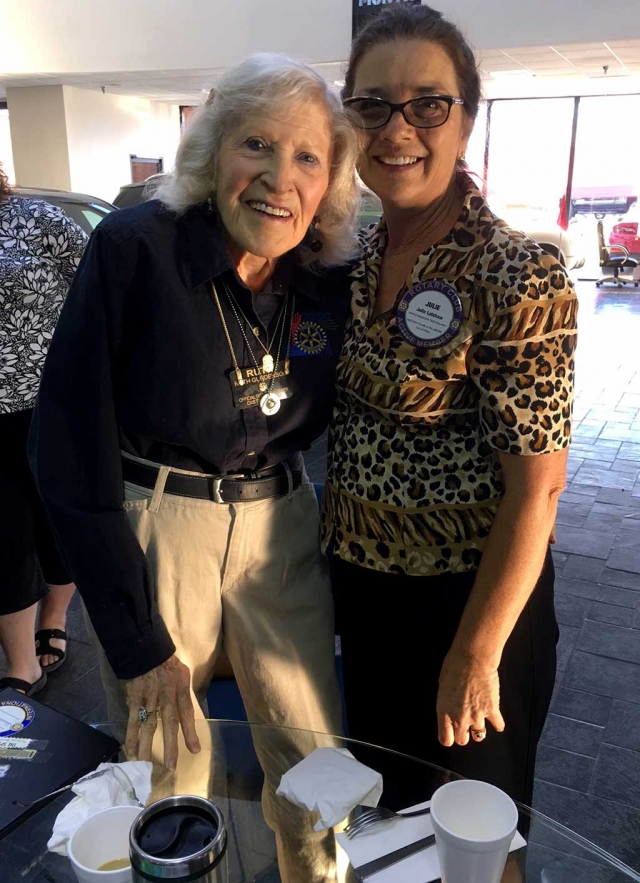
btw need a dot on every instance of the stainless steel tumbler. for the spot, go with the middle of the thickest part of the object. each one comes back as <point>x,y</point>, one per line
<point>181,838</point>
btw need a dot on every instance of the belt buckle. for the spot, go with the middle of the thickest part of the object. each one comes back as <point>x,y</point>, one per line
<point>217,496</point>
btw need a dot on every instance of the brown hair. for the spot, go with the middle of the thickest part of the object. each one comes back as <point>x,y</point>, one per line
<point>401,22</point>
<point>5,190</point>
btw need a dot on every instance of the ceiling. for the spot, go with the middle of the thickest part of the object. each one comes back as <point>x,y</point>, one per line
<point>572,61</point>
<point>620,57</point>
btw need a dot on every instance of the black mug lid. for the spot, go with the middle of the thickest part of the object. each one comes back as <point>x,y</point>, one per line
<point>177,837</point>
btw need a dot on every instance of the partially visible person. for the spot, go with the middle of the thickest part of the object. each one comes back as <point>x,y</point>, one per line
<point>40,249</point>
<point>449,445</point>
<point>194,359</point>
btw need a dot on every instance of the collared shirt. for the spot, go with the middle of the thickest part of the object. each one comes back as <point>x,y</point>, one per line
<point>414,478</point>
<point>40,249</point>
<point>140,362</point>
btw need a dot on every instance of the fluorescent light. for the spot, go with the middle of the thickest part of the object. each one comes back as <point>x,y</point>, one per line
<point>518,72</point>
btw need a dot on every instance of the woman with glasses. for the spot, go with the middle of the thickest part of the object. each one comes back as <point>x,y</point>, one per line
<point>451,430</point>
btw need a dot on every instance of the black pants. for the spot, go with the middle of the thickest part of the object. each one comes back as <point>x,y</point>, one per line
<point>29,558</point>
<point>396,631</point>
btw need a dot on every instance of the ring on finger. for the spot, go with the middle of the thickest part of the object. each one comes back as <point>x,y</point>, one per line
<point>478,735</point>
<point>144,715</point>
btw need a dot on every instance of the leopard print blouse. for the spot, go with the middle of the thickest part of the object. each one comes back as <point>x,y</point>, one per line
<point>414,479</point>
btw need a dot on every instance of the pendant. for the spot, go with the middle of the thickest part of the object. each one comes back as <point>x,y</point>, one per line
<point>267,364</point>
<point>270,404</point>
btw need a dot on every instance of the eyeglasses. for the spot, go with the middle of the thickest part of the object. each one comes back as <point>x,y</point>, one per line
<point>426,112</point>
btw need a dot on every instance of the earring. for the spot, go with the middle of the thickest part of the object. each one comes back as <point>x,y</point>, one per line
<point>311,239</point>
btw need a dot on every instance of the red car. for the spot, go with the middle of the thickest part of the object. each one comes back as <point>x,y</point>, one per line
<point>627,232</point>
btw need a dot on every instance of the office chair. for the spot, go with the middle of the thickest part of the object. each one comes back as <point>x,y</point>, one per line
<point>615,262</point>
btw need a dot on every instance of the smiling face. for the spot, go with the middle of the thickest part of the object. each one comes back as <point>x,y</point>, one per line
<point>272,176</point>
<point>408,167</point>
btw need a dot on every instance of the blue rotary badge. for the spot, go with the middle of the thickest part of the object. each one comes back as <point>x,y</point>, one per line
<point>430,314</point>
<point>14,717</point>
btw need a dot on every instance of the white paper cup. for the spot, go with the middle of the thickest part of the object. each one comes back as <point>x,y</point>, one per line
<point>474,824</point>
<point>100,839</point>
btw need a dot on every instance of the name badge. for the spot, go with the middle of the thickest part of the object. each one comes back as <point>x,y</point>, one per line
<point>256,383</point>
<point>430,315</point>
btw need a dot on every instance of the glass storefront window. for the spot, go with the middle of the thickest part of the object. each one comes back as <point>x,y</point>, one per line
<point>530,141</point>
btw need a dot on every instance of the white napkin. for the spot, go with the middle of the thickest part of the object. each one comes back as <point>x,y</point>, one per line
<point>332,782</point>
<point>419,868</point>
<point>98,794</point>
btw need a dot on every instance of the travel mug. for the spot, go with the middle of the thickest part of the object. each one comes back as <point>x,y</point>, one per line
<point>182,838</point>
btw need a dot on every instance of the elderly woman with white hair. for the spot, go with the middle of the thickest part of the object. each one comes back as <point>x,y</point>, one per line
<point>193,361</point>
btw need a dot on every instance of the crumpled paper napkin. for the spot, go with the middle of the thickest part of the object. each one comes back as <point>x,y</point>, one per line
<point>332,782</point>
<point>98,794</point>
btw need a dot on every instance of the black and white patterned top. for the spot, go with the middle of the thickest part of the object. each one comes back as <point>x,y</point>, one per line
<point>40,249</point>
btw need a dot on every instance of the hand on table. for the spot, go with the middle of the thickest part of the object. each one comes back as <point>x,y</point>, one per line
<point>164,689</point>
<point>468,696</point>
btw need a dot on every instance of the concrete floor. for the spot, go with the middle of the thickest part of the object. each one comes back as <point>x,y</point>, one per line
<point>588,774</point>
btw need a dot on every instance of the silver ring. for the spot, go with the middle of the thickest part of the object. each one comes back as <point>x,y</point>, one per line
<point>478,735</point>
<point>144,714</point>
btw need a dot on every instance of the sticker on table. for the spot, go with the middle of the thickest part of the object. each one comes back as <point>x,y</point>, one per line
<point>14,717</point>
<point>17,753</point>
<point>430,314</point>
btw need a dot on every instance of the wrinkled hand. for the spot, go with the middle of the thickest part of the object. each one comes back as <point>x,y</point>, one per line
<point>167,688</point>
<point>468,696</point>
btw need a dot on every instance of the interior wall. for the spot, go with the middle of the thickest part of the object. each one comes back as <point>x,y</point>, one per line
<point>103,130</point>
<point>117,35</point>
<point>39,136</point>
<point>6,151</point>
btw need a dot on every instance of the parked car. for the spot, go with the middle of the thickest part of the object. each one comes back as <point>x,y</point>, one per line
<point>134,194</point>
<point>626,232</point>
<point>602,201</point>
<point>86,211</point>
<point>565,245</point>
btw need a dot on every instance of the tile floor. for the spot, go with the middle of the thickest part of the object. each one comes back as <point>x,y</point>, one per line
<point>588,774</point>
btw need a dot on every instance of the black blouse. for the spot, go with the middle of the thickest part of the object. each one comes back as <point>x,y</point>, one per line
<point>139,362</point>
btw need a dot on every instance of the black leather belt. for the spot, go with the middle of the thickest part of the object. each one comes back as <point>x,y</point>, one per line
<point>272,482</point>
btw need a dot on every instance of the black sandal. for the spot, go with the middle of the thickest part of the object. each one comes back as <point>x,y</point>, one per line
<point>44,648</point>
<point>24,686</point>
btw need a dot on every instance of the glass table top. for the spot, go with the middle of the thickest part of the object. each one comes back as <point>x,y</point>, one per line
<point>228,772</point>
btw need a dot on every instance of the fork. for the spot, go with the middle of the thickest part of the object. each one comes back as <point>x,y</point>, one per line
<point>378,814</point>
<point>116,772</point>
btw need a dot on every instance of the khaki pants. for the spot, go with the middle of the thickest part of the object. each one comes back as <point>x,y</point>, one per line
<point>248,577</point>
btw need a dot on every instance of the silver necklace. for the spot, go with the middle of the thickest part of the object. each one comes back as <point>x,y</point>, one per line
<point>267,359</point>
<point>270,402</point>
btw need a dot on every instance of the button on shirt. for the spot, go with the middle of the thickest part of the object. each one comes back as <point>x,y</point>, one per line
<point>140,363</point>
<point>414,478</point>
<point>40,249</point>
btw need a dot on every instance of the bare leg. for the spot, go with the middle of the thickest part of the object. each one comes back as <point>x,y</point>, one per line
<point>53,615</point>
<point>16,639</point>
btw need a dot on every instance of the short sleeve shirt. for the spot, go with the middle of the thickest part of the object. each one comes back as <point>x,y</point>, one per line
<point>414,479</point>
